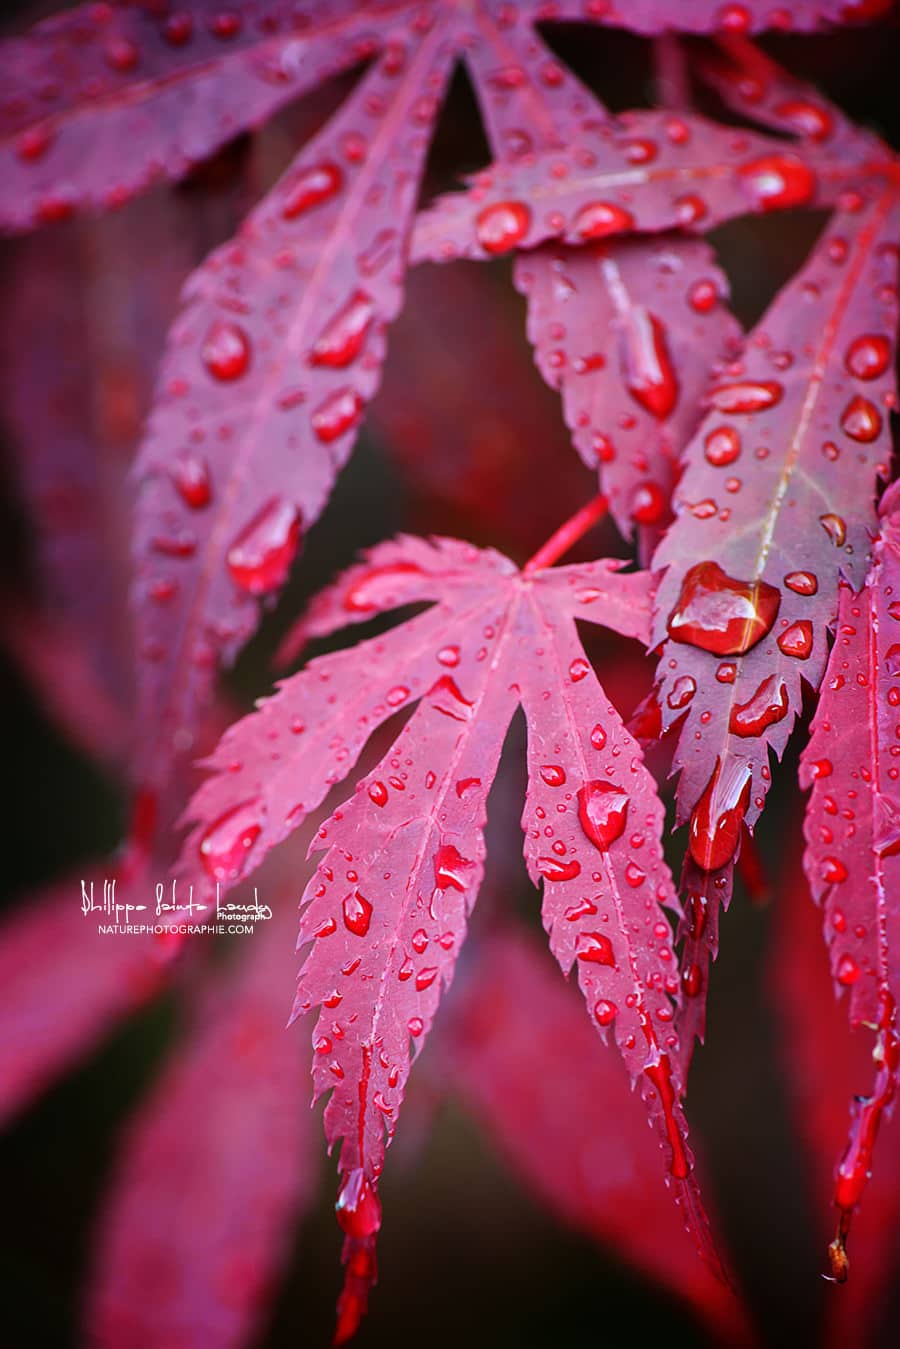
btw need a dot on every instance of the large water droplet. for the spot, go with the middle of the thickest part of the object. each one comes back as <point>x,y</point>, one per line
<point>746,395</point>
<point>776,182</point>
<point>554,870</point>
<point>311,187</point>
<point>339,413</point>
<point>715,828</point>
<point>602,812</point>
<point>225,845</point>
<point>868,356</point>
<point>450,868</point>
<point>357,914</point>
<point>595,949</point>
<point>378,588</point>
<point>343,336</point>
<point>722,446</point>
<point>601,218</point>
<point>720,614</point>
<point>797,640</point>
<point>768,705</point>
<point>358,1207</point>
<point>647,365</point>
<point>861,420</point>
<point>501,227</point>
<point>260,557</point>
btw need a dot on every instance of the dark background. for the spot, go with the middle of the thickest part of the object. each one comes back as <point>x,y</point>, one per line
<point>465,1254</point>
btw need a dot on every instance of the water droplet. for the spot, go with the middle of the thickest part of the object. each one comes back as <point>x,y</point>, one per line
<point>646,363</point>
<point>578,670</point>
<point>722,446</point>
<point>768,705</point>
<point>397,695</point>
<point>602,812</point>
<point>802,582</point>
<point>261,556</point>
<point>806,118</point>
<point>847,972</point>
<point>605,1012</point>
<point>358,1207</point>
<point>660,1075</point>
<point>797,640</point>
<point>555,870</point>
<point>598,737</point>
<point>595,949</point>
<point>450,868</point>
<point>226,843</point>
<point>339,413</point>
<point>861,420</point>
<point>746,396</point>
<point>648,503</point>
<point>311,187</point>
<point>226,350</point>
<point>835,527</point>
<point>868,356</point>
<point>833,871</point>
<point>191,477</point>
<point>378,588</point>
<point>692,981</point>
<point>601,218</point>
<point>553,775</point>
<point>777,182</point>
<point>357,914</point>
<point>715,827</point>
<point>720,614</point>
<point>681,693</point>
<point>503,226</point>
<point>378,793</point>
<point>342,338</point>
<point>449,656</point>
<point>426,977</point>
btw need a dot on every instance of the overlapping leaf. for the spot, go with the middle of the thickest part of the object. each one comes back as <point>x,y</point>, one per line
<point>103,100</point>
<point>629,331</point>
<point>386,911</point>
<point>268,370</point>
<point>825,1066</point>
<point>585,1149</point>
<point>852,832</point>
<point>645,171</point>
<point>776,502</point>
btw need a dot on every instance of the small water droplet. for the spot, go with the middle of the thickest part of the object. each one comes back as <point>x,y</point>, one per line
<point>226,350</point>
